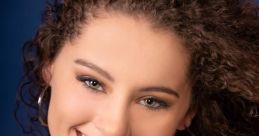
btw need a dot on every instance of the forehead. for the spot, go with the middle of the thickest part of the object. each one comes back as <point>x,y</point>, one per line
<point>131,47</point>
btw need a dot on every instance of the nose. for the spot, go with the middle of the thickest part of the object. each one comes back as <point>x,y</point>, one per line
<point>113,118</point>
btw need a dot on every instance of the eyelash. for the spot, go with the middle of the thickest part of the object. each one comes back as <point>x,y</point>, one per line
<point>157,103</point>
<point>88,81</point>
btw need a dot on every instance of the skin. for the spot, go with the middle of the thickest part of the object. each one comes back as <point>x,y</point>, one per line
<point>125,100</point>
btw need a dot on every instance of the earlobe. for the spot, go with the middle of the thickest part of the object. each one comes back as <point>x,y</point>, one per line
<point>181,126</point>
<point>187,120</point>
<point>47,74</point>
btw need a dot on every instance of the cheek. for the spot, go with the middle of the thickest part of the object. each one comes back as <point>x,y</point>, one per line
<point>161,122</point>
<point>71,104</point>
<point>154,123</point>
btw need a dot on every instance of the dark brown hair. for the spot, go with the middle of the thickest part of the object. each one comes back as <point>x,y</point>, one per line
<point>222,37</point>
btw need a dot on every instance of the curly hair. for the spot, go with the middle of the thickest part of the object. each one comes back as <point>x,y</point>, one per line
<point>222,37</point>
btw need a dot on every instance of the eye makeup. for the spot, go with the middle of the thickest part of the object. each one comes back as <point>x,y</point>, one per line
<point>91,83</point>
<point>153,103</point>
<point>150,102</point>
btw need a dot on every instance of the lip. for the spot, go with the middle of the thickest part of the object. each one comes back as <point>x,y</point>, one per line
<point>79,133</point>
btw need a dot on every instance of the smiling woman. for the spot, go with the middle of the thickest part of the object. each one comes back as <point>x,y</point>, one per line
<point>144,68</point>
<point>137,67</point>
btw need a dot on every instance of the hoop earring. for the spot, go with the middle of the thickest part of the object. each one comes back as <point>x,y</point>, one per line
<point>40,107</point>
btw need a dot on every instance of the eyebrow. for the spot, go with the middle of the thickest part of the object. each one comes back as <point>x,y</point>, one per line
<point>104,73</point>
<point>94,67</point>
<point>162,89</point>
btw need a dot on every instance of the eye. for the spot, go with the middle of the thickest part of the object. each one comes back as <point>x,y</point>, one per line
<point>91,83</point>
<point>153,103</point>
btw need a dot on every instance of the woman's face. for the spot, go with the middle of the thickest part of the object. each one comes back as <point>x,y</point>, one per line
<point>120,77</point>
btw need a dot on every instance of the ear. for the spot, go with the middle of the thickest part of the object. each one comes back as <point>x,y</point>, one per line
<point>47,71</point>
<point>187,120</point>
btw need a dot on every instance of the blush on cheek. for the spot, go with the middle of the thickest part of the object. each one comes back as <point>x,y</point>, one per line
<point>69,107</point>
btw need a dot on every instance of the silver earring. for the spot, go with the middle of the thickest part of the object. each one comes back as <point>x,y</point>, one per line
<point>254,112</point>
<point>40,106</point>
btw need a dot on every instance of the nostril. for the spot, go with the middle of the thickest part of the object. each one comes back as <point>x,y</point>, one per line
<point>79,133</point>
